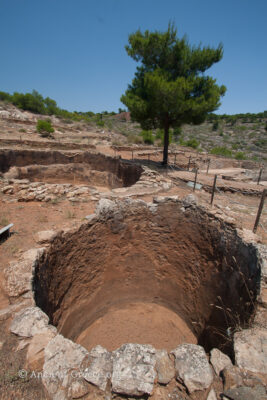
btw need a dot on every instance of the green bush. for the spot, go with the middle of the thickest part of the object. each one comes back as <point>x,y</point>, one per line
<point>44,127</point>
<point>221,151</point>
<point>192,143</point>
<point>100,123</point>
<point>215,125</point>
<point>240,155</point>
<point>260,143</point>
<point>148,137</point>
<point>235,146</point>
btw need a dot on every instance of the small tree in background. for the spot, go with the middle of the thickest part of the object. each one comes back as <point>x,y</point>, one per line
<point>169,88</point>
<point>44,127</point>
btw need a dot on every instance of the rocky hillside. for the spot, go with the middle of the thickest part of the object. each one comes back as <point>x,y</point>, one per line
<point>241,139</point>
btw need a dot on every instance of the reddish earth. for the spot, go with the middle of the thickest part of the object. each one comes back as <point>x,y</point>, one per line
<point>136,319</point>
<point>103,279</point>
<point>143,323</point>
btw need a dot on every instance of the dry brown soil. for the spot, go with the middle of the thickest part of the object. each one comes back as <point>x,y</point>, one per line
<point>144,323</point>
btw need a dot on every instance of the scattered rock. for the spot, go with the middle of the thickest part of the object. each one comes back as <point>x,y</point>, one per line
<point>105,208</point>
<point>192,367</point>
<point>91,219</point>
<point>164,367</point>
<point>8,189</point>
<point>250,346</point>
<point>133,369</point>
<point>45,236</point>
<point>219,360</point>
<point>246,393</point>
<point>189,200</point>
<point>163,199</point>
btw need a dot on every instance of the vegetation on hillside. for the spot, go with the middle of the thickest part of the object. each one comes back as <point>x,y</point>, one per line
<point>44,127</point>
<point>36,103</point>
<point>242,135</point>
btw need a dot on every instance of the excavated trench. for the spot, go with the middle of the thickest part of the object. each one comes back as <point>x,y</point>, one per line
<point>161,278</point>
<point>74,168</point>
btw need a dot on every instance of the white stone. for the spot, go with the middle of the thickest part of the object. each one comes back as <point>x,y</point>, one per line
<point>61,357</point>
<point>212,395</point>
<point>134,369</point>
<point>105,208</point>
<point>45,236</point>
<point>250,346</point>
<point>219,360</point>
<point>192,367</point>
<point>100,368</point>
<point>18,278</point>
<point>189,200</point>
<point>29,322</point>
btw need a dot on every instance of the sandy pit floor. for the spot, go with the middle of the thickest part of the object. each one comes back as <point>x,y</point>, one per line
<point>143,323</point>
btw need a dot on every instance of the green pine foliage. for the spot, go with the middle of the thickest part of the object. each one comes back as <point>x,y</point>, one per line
<point>169,88</point>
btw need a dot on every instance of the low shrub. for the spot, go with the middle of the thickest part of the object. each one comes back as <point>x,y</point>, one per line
<point>100,123</point>
<point>192,143</point>
<point>44,127</point>
<point>221,151</point>
<point>148,137</point>
<point>240,155</point>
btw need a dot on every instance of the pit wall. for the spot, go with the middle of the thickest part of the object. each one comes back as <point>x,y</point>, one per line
<point>128,172</point>
<point>69,371</point>
<point>181,259</point>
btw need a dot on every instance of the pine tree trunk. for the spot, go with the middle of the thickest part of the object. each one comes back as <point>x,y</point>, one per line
<point>166,142</point>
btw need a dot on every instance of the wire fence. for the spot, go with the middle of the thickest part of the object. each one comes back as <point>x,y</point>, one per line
<point>215,189</point>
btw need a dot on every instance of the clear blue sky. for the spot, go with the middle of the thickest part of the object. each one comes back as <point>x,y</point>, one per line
<point>73,50</point>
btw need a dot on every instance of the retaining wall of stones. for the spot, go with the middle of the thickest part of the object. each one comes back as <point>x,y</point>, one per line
<point>69,371</point>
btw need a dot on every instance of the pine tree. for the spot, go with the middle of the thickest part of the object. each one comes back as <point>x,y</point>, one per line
<point>170,88</point>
